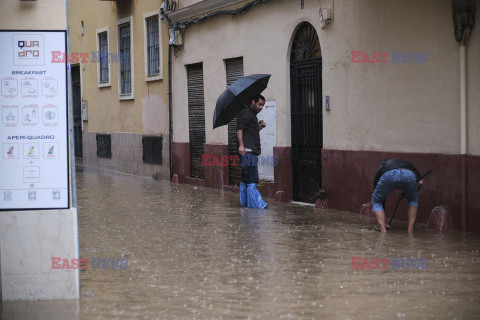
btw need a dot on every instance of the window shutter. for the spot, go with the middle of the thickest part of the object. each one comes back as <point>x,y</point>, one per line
<point>196,118</point>
<point>234,71</point>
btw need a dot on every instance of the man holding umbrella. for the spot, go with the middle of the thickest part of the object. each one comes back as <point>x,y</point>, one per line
<point>248,136</point>
<point>232,103</point>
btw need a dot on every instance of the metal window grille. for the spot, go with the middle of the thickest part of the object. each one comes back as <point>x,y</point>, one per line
<point>152,149</point>
<point>125,62</point>
<point>234,68</point>
<point>196,118</point>
<point>153,46</point>
<point>306,44</point>
<point>103,59</point>
<point>104,146</point>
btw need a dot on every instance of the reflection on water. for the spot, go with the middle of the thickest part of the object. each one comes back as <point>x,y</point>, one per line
<point>40,310</point>
<point>195,253</point>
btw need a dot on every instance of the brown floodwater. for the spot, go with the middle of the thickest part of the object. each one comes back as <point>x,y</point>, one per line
<point>189,252</point>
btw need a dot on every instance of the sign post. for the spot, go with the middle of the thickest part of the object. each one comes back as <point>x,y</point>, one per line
<point>34,127</point>
<point>38,217</point>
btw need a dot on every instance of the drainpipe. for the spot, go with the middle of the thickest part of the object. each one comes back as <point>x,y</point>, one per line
<point>463,138</point>
<point>463,13</point>
<point>163,14</point>
<point>170,126</point>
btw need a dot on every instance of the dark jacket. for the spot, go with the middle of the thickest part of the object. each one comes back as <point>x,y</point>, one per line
<point>391,164</point>
<point>247,122</point>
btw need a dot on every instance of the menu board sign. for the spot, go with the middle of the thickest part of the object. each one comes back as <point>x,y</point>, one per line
<point>33,126</point>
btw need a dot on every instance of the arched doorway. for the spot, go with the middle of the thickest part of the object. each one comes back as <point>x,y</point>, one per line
<point>306,113</point>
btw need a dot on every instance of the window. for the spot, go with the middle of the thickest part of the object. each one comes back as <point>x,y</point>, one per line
<point>102,55</point>
<point>125,69</point>
<point>125,59</point>
<point>153,46</point>
<point>104,146</point>
<point>152,149</point>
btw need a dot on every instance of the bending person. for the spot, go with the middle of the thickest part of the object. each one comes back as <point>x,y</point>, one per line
<point>396,174</point>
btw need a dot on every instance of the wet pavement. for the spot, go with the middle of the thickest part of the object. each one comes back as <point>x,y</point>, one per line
<point>185,252</point>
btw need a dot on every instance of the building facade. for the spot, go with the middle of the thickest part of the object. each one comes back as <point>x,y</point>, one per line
<point>118,53</point>
<point>352,83</point>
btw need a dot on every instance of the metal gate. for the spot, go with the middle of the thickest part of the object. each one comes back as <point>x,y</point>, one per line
<point>77,112</point>
<point>196,118</point>
<point>306,88</point>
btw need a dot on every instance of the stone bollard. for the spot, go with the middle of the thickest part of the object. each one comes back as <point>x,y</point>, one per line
<point>280,196</point>
<point>440,219</point>
<point>367,210</point>
<point>175,178</point>
<point>321,204</point>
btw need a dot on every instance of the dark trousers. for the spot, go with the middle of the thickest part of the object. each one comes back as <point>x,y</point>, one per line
<point>249,168</point>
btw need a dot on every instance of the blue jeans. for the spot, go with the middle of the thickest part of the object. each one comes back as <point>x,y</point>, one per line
<point>395,179</point>
<point>249,168</point>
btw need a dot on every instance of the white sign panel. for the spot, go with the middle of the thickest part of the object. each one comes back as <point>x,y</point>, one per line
<point>267,161</point>
<point>33,126</point>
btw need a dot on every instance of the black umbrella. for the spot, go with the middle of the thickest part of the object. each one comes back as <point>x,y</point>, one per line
<point>237,96</point>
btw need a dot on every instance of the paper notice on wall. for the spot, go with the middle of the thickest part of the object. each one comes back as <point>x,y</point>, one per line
<point>33,126</point>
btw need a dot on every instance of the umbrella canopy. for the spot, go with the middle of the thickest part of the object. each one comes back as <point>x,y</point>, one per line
<point>237,96</point>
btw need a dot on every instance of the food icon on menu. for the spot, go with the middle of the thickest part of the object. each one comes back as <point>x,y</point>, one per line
<point>30,115</point>
<point>50,115</point>
<point>9,87</point>
<point>50,150</point>
<point>29,88</point>
<point>30,150</point>
<point>49,87</point>
<point>10,150</point>
<point>9,115</point>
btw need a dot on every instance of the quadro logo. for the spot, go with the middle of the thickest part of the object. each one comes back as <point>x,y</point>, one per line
<point>28,50</point>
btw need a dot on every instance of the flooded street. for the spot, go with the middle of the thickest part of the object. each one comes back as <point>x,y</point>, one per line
<point>194,253</point>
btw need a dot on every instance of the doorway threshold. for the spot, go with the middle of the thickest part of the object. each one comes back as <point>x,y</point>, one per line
<point>303,203</point>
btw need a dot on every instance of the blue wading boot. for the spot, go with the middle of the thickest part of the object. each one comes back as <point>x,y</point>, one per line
<point>243,194</point>
<point>254,198</point>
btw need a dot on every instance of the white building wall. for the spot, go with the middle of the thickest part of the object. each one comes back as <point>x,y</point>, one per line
<point>401,107</point>
<point>28,241</point>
